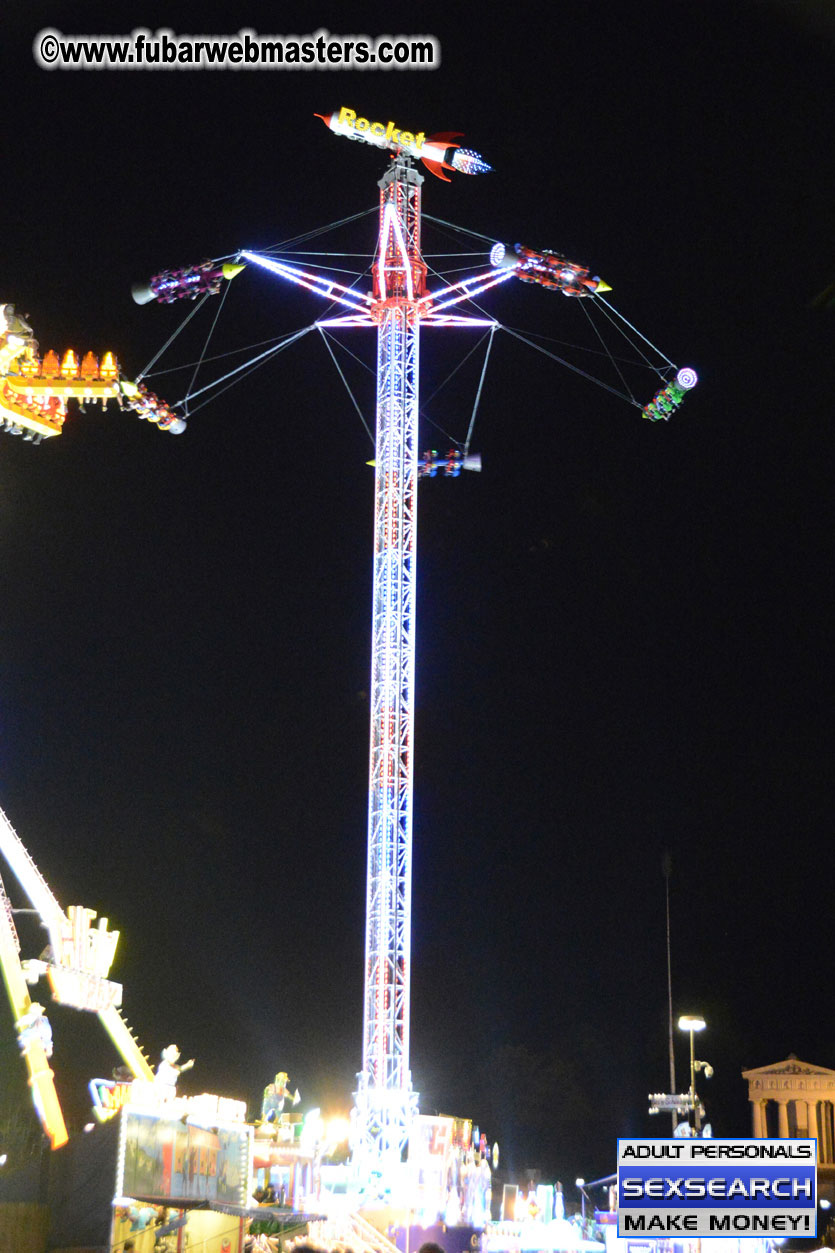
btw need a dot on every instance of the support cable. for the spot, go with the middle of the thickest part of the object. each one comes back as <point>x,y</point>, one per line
<point>576,369</point>
<point>308,252</point>
<point>226,291</point>
<point>606,348</point>
<point>330,269</point>
<point>219,356</point>
<point>442,274</point>
<point>247,365</point>
<point>358,360</point>
<point>596,352</point>
<point>320,230</point>
<point>613,321</point>
<point>326,339</point>
<point>172,337</point>
<point>463,230</point>
<point>456,368</point>
<point>635,329</point>
<point>478,393</point>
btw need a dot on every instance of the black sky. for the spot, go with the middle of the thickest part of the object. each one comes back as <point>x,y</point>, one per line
<point>624,629</point>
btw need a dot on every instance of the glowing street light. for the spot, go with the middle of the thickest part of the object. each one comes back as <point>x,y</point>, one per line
<point>694,1023</point>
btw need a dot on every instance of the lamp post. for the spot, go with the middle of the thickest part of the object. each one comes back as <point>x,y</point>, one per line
<point>693,1023</point>
<point>581,1185</point>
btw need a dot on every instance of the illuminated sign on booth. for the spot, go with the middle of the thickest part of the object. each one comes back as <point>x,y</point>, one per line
<point>109,1095</point>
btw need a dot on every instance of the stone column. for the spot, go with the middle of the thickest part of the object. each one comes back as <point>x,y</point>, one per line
<point>825,1125</point>
<point>783,1119</point>
<point>758,1111</point>
<point>801,1116</point>
<point>812,1123</point>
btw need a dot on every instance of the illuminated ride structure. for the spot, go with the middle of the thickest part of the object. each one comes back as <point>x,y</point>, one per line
<point>34,391</point>
<point>76,964</point>
<point>399,305</point>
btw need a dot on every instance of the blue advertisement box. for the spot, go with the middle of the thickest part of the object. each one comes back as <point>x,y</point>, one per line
<point>698,1189</point>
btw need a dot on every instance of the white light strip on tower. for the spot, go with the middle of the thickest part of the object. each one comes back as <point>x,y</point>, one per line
<point>459,319</point>
<point>391,224</point>
<point>346,321</point>
<point>329,288</point>
<point>480,283</point>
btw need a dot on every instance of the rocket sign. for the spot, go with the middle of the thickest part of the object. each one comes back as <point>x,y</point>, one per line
<point>437,152</point>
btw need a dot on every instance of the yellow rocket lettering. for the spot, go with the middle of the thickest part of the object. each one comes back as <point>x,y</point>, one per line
<point>438,152</point>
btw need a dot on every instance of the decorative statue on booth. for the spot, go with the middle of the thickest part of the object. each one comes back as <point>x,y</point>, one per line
<point>275,1094</point>
<point>16,338</point>
<point>34,1025</point>
<point>168,1072</point>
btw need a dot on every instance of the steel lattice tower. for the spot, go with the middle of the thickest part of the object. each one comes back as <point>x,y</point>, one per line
<point>385,1102</point>
<point>398,305</point>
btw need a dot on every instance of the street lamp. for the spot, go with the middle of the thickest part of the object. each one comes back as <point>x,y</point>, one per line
<point>581,1184</point>
<point>693,1023</point>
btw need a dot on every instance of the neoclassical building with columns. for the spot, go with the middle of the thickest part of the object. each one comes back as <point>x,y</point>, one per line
<point>793,1098</point>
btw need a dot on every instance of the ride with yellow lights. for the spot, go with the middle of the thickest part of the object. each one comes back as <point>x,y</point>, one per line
<point>34,390</point>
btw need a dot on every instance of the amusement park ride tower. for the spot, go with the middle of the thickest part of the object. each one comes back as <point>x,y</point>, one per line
<point>399,306</point>
<point>385,1102</point>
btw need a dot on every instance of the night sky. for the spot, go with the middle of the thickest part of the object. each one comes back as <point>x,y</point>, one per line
<point>624,628</point>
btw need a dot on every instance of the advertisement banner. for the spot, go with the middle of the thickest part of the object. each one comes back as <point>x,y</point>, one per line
<point>167,1159</point>
<point>698,1189</point>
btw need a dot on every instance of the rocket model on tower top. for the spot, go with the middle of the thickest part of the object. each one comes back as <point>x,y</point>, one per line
<point>437,152</point>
